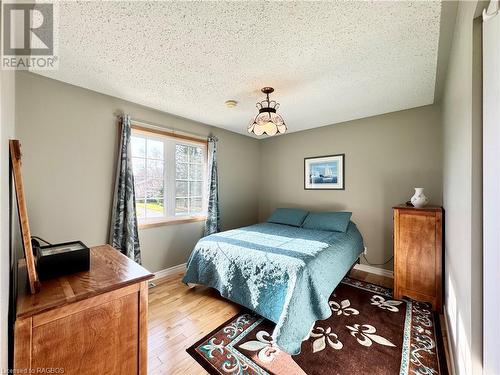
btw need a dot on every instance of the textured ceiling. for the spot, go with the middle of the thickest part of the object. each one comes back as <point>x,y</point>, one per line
<point>328,61</point>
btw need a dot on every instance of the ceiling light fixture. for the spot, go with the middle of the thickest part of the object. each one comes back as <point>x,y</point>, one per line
<point>267,121</point>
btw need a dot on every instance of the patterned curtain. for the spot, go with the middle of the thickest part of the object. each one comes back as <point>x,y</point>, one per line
<point>124,234</point>
<point>212,224</point>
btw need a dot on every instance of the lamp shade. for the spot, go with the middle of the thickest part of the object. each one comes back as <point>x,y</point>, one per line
<point>267,121</point>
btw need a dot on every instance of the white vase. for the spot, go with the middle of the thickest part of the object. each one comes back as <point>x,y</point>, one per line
<point>419,199</point>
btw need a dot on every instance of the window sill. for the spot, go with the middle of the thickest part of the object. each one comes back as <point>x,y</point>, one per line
<point>172,221</point>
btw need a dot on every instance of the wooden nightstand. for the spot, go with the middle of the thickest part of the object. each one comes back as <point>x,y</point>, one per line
<point>92,322</point>
<point>418,254</point>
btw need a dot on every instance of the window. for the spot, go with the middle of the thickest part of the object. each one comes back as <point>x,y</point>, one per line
<point>169,177</point>
<point>189,171</point>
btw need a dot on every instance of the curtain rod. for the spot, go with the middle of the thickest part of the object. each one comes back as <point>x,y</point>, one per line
<point>164,128</point>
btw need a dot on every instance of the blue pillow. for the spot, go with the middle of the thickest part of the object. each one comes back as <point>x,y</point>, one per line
<point>332,221</point>
<point>288,216</point>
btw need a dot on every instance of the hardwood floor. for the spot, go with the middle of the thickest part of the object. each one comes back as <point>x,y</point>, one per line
<point>179,316</point>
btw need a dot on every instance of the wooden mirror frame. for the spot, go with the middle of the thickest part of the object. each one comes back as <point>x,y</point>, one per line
<point>15,160</point>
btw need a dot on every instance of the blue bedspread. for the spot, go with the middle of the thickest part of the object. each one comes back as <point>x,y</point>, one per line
<point>283,273</point>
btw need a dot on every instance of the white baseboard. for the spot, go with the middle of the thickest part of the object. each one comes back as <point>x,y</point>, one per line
<point>170,271</point>
<point>374,270</point>
<point>448,339</point>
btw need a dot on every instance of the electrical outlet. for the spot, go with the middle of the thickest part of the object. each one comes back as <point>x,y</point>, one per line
<point>366,251</point>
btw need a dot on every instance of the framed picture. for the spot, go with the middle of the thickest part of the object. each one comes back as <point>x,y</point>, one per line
<point>324,172</point>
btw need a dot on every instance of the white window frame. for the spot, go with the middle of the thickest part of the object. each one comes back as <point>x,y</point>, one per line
<point>170,140</point>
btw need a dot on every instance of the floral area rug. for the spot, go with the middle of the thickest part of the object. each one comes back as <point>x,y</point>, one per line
<point>367,333</point>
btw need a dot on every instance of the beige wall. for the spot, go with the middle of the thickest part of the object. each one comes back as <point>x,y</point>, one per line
<point>461,108</point>
<point>69,139</point>
<point>385,158</point>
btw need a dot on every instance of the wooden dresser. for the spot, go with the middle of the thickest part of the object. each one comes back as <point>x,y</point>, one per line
<point>418,254</point>
<point>92,322</point>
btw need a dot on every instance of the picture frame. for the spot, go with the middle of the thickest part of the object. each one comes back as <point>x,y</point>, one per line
<point>325,172</point>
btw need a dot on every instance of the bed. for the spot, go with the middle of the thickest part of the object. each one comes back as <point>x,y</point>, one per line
<point>283,273</point>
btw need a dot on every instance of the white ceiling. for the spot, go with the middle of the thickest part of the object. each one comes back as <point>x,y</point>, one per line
<point>328,61</point>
